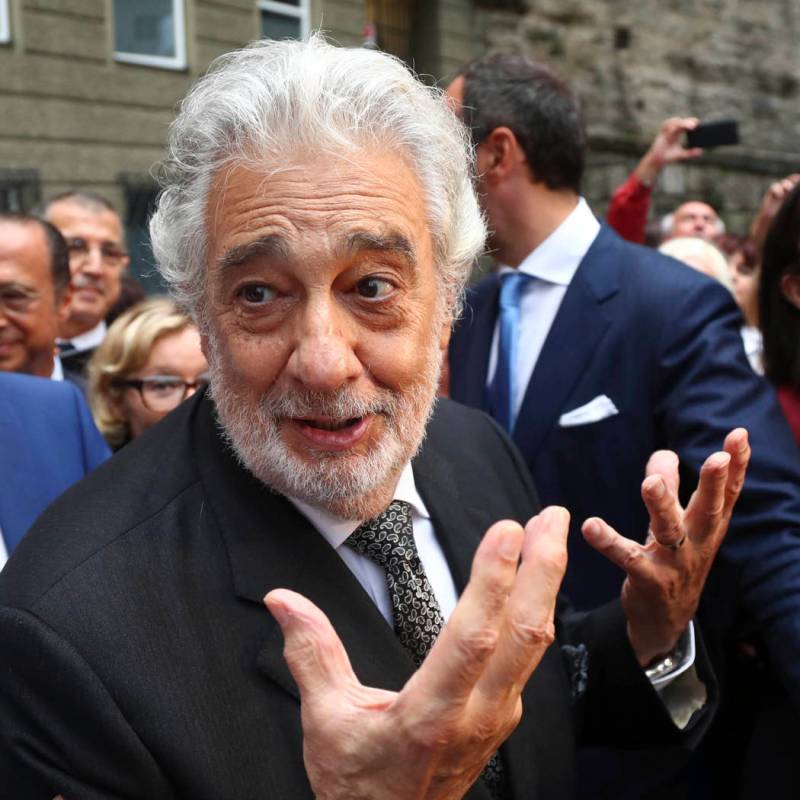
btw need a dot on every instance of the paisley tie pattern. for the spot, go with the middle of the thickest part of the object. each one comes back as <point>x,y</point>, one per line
<point>388,541</point>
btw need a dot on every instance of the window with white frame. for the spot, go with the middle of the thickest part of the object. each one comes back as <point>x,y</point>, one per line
<point>284,19</point>
<point>5,22</point>
<point>150,32</point>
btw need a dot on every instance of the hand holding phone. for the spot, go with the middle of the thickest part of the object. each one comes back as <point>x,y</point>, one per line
<point>713,134</point>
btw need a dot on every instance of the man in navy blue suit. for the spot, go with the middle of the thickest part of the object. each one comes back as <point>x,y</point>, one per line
<point>48,442</point>
<point>593,352</point>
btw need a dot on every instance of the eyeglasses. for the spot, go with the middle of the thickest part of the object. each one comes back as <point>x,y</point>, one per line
<point>161,392</point>
<point>110,253</point>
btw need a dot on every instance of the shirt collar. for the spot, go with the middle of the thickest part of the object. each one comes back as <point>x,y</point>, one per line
<point>89,339</point>
<point>557,258</point>
<point>336,530</point>
<point>58,370</point>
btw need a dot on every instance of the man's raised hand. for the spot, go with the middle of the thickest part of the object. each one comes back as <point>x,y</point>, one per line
<point>666,574</point>
<point>432,739</point>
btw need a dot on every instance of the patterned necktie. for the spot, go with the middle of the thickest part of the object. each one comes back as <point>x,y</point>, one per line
<point>503,385</point>
<point>388,541</point>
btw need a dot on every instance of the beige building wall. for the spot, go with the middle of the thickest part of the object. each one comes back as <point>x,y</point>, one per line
<point>634,64</point>
<point>73,113</point>
<point>72,116</point>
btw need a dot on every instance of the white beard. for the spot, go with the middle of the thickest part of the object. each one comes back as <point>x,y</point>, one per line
<point>349,485</point>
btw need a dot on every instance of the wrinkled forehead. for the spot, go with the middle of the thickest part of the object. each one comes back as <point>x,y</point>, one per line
<point>695,208</point>
<point>318,201</point>
<point>77,220</point>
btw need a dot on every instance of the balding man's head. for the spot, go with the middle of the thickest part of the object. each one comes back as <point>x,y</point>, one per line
<point>693,218</point>
<point>34,276</point>
<point>94,236</point>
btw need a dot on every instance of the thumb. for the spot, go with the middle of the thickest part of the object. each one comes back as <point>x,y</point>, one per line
<point>313,651</point>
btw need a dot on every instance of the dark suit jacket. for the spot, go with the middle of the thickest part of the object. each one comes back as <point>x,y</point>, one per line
<point>48,441</point>
<point>139,661</point>
<point>662,341</point>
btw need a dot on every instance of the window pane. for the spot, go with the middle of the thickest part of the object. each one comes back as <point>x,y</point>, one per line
<point>277,26</point>
<point>5,27</point>
<point>146,27</point>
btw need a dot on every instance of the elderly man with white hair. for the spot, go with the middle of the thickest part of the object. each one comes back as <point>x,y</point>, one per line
<point>319,221</point>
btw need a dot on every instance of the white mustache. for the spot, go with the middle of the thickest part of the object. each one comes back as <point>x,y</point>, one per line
<point>342,404</point>
<point>81,281</point>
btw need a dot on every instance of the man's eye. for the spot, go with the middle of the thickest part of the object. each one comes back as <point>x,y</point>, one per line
<point>374,288</point>
<point>256,294</point>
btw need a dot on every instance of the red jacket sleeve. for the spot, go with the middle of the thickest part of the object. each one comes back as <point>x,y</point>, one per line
<point>627,212</point>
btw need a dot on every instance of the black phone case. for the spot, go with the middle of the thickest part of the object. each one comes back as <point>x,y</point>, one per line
<point>714,134</point>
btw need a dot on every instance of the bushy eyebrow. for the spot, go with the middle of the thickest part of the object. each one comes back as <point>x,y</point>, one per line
<point>274,246</point>
<point>387,243</point>
<point>271,245</point>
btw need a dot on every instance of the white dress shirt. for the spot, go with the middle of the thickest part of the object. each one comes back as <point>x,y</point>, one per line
<point>89,339</point>
<point>58,370</point>
<point>369,574</point>
<point>553,265</point>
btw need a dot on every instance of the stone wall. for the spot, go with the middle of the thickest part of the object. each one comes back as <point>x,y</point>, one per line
<point>636,63</point>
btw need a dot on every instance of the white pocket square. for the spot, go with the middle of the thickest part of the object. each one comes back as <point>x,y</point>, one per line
<point>600,408</point>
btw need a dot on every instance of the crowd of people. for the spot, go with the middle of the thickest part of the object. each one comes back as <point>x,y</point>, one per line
<point>312,315</point>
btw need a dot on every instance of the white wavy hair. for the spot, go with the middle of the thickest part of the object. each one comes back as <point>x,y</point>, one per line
<point>256,104</point>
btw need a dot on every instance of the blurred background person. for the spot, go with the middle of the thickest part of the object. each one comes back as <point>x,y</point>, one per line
<point>630,203</point>
<point>148,363</point>
<point>779,307</point>
<point>97,259</point>
<point>34,296</point>
<point>693,218</point>
<point>743,268</point>
<point>47,442</point>
<point>700,255</point>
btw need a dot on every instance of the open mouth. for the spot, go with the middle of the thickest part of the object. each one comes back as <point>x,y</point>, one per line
<point>330,433</point>
<point>331,425</point>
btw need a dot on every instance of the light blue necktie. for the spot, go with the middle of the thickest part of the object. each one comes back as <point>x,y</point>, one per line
<point>502,389</point>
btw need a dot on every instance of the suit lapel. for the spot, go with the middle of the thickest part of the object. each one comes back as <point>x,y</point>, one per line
<point>577,329</point>
<point>459,527</point>
<point>469,364</point>
<point>271,545</point>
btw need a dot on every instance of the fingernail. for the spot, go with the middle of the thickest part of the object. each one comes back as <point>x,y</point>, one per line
<point>659,489</point>
<point>509,545</point>
<point>279,611</point>
<point>592,527</point>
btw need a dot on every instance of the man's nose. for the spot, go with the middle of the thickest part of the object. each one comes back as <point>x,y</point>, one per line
<point>93,265</point>
<point>324,357</point>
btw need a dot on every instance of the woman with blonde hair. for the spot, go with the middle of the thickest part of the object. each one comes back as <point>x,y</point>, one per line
<point>149,362</point>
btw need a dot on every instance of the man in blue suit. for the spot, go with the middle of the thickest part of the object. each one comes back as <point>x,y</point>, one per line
<point>48,441</point>
<point>593,352</point>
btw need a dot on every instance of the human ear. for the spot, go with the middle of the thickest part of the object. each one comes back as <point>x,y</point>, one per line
<point>790,288</point>
<point>498,155</point>
<point>62,303</point>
